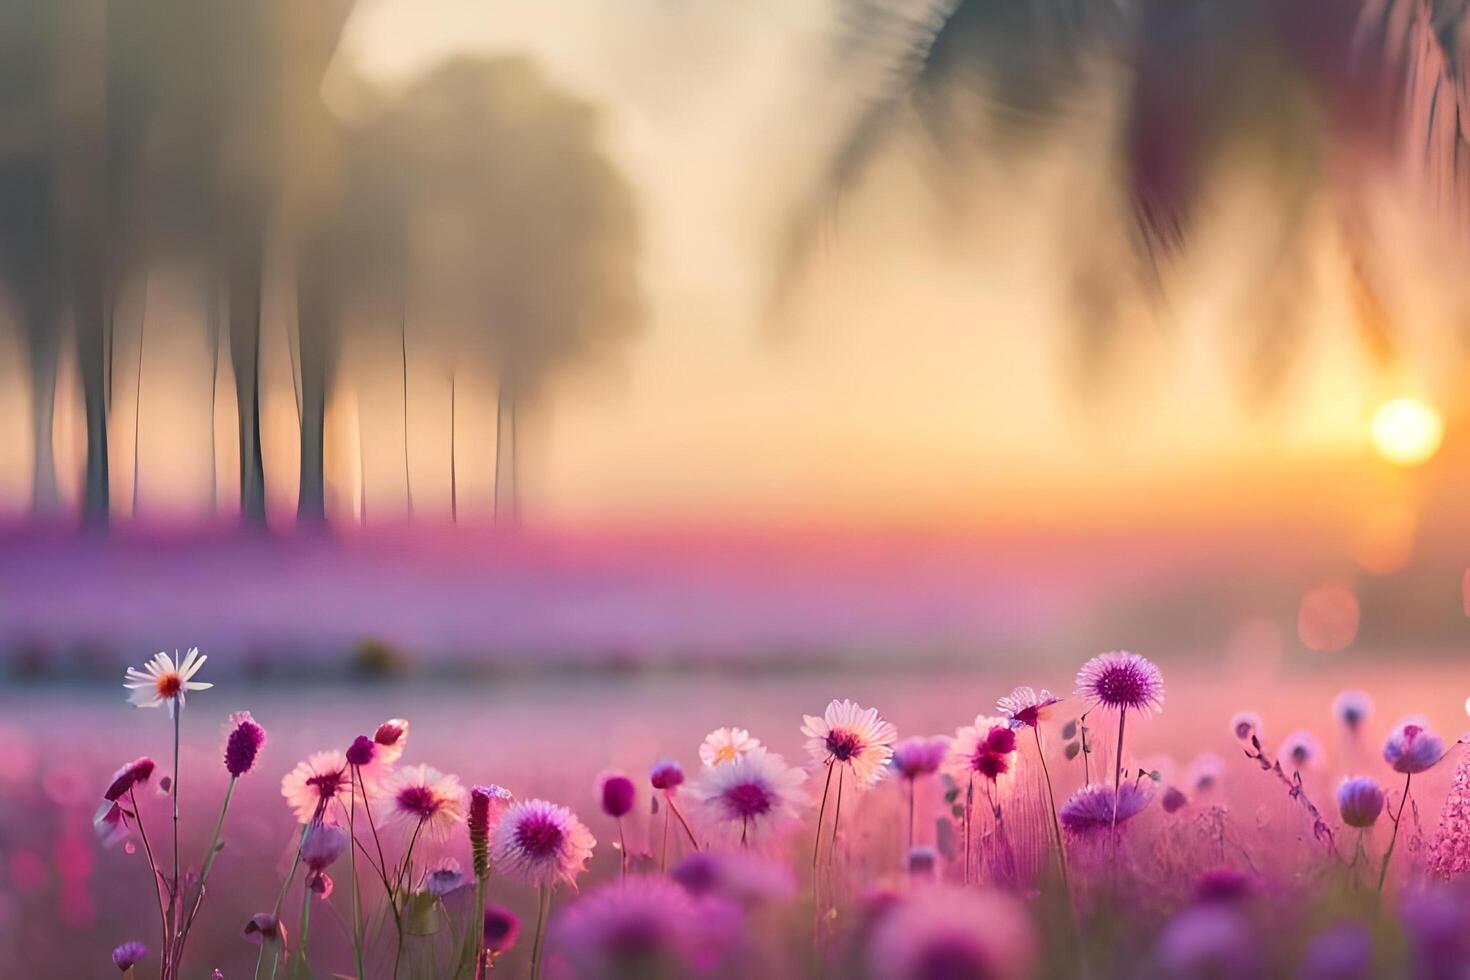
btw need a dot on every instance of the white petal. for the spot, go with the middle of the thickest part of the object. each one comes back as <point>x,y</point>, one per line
<point>197,686</point>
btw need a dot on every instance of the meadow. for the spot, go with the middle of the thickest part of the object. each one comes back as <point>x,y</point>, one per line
<point>1222,871</point>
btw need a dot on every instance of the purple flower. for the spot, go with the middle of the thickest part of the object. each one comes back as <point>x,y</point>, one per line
<point>1344,952</point>
<point>1412,748</point>
<point>1299,750</point>
<point>126,956</point>
<point>243,743</point>
<point>444,878</point>
<point>133,774</point>
<point>922,862</point>
<point>1244,724</point>
<point>1223,885</point>
<point>666,775</point>
<point>1359,801</point>
<point>1209,940</point>
<point>744,878</point>
<point>540,843</point>
<point>323,844</point>
<point>1090,809</point>
<point>616,794</point>
<point>264,927</point>
<point>502,926</point>
<point>946,932</point>
<point>1123,681</point>
<point>1174,800</point>
<point>487,803</point>
<point>361,752</point>
<point>642,927</point>
<point>919,756</point>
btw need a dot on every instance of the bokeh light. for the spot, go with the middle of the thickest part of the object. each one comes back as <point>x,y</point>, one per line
<point>1407,431</point>
<point>1327,619</point>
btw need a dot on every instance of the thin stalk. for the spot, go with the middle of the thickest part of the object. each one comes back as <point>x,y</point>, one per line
<point>821,812</point>
<point>683,823</point>
<point>1394,837</point>
<point>153,868</point>
<point>356,898</point>
<point>969,808</point>
<point>1118,769</point>
<point>913,791</point>
<point>290,875</point>
<point>543,910</point>
<point>398,886</point>
<point>663,854</point>
<point>1055,822</point>
<point>623,848</point>
<point>209,857</point>
<point>382,861</point>
<point>836,815</point>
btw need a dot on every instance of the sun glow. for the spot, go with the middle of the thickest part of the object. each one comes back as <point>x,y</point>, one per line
<point>1406,431</point>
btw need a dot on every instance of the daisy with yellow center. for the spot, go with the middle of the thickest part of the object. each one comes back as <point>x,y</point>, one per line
<point>164,680</point>
<point>726,745</point>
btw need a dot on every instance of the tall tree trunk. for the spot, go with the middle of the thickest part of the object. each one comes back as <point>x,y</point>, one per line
<point>45,496</point>
<point>93,329</point>
<point>453,475</point>
<point>507,491</point>
<point>244,287</point>
<point>316,329</point>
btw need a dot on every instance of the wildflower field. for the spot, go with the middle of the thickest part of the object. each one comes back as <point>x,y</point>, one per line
<point>712,824</point>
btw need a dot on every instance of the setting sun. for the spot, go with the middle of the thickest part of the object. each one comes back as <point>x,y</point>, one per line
<point>1407,431</point>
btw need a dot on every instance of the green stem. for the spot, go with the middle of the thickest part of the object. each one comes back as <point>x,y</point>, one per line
<point>542,913</point>
<point>1394,837</point>
<point>1055,823</point>
<point>356,900</point>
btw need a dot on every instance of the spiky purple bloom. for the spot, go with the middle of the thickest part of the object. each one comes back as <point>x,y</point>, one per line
<point>1344,952</point>
<point>361,752</point>
<point>1209,941</point>
<point>642,927</point>
<point>1360,801</point>
<point>243,743</point>
<point>919,756</point>
<point>1122,681</point>
<point>616,794</point>
<point>1026,706</point>
<point>540,843</point>
<point>129,954</point>
<point>1090,809</point>
<point>502,926</point>
<point>666,775</point>
<point>1412,748</point>
<point>1352,708</point>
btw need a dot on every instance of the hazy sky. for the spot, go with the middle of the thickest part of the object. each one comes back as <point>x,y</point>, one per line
<point>918,376</point>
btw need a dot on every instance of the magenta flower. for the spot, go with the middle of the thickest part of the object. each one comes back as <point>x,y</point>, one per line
<point>487,803</point>
<point>323,844</point>
<point>390,739</point>
<point>362,752</point>
<point>128,955</point>
<point>919,756</point>
<point>1025,706</point>
<point>135,773</point>
<point>643,927</point>
<point>1090,809</point>
<point>1412,748</point>
<point>540,843</point>
<point>948,932</point>
<point>502,926</point>
<point>1174,800</point>
<point>1360,801</point>
<point>242,743</point>
<point>616,794</point>
<point>1122,681</point>
<point>987,748</point>
<point>1244,724</point>
<point>1209,941</point>
<point>666,775</point>
<point>314,783</point>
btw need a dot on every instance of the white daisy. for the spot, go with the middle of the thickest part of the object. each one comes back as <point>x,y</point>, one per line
<point>726,745</point>
<point>751,796</point>
<point>851,735</point>
<point>164,681</point>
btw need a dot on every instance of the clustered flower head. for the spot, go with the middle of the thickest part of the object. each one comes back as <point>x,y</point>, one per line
<point>1091,808</point>
<point>666,775</point>
<point>1412,748</point>
<point>1360,801</point>
<point>1026,706</point>
<point>242,743</point>
<point>987,748</point>
<point>1121,681</point>
<point>162,681</point>
<point>616,794</point>
<point>128,955</point>
<point>919,755</point>
<point>487,803</point>
<point>541,843</point>
<point>850,735</point>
